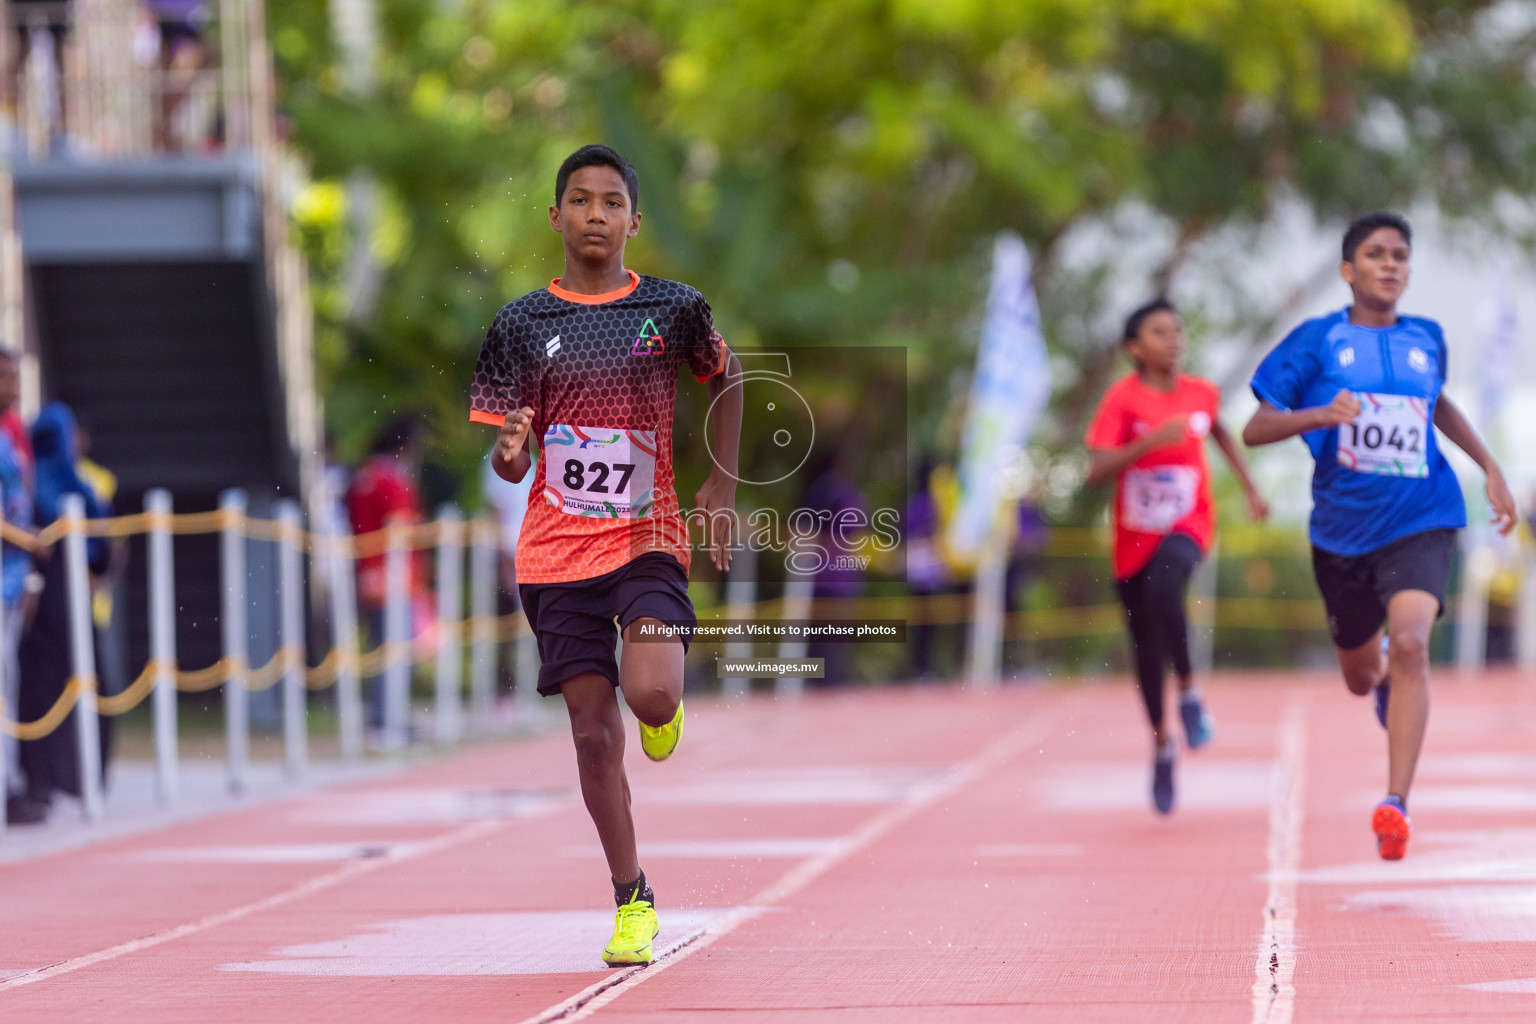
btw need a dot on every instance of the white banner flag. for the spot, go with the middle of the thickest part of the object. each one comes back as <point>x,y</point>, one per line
<point>1009,392</point>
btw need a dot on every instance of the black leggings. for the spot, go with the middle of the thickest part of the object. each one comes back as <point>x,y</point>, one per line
<point>1154,610</point>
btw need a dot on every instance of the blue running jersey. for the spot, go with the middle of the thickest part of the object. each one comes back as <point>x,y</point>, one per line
<point>1382,477</point>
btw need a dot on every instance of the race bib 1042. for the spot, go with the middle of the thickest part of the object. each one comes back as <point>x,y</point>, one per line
<point>1389,437</point>
<point>1156,500</point>
<point>600,472</point>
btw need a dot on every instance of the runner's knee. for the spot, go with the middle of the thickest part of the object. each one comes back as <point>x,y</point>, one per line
<point>598,742</point>
<point>1409,646</point>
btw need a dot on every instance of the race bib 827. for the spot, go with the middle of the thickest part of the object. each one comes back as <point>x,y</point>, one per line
<point>600,472</point>
<point>1390,437</point>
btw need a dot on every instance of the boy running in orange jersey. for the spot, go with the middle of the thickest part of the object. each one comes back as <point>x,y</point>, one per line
<point>1148,435</point>
<point>589,367</point>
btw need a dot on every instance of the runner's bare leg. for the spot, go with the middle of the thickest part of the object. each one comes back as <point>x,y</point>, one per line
<point>598,729</point>
<point>1410,616</point>
<point>1363,666</point>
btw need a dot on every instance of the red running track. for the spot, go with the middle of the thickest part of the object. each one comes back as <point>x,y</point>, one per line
<point>908,854</point>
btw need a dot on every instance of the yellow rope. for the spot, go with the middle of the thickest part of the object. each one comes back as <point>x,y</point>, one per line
<point>135,692</point>
<point>50,721</point>
<point>199,679</point>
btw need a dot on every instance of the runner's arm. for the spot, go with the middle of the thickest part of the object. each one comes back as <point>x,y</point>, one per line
<point>1451,423</point>
<point>718,495</point>
<point>1270,424</point>
<point>1258,508</point>
<point>1105,464</point>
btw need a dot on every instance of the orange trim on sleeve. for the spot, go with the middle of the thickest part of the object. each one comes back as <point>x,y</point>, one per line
<point>595,300</point>
<point>476,416</point>
<point>725,358</point>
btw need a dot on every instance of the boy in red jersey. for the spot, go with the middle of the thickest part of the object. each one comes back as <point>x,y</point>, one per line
<point>1148,435</point>
<point>589,365</point>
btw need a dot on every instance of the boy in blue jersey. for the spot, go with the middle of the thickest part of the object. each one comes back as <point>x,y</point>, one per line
<point>1363,388</point>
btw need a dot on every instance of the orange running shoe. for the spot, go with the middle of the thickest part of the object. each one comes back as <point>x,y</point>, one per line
<point>1393,828</point>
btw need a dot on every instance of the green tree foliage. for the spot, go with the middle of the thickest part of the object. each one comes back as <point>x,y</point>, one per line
<point>833,172</point>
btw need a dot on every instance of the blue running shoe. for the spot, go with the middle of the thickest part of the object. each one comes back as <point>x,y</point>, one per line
<point>1383,693</point>
<point>1162,781</point>
<point>1199,726</point>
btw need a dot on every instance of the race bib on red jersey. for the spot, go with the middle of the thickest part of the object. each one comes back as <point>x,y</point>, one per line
<point>1390,437</point>
<point>600,472</point>
<point>1155,500</point>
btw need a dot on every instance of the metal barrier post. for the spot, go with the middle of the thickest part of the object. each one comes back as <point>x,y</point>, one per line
<point>740,594</point>
<point>450,610</point>
<point>1477,569</point>
<point>82,655</point>
<point>349,701</point>
<point>484,556</point>
<point>162,640</point>
<point>984,659</point>
<point>798,594</point>
<point>1202,624</point>
<point>1525,636</point>
<point>237,738</point>
<point>397,637</point>
<point>290,645</point>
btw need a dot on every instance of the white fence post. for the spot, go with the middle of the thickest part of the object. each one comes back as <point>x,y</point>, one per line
<point>82,650</point>
<point>290,645</point>
<point>484,556</point>
<point>450,607</point>
<point>162,640</point>
<point>740,594</point>
<point>237,734</point>
<point>349,703</point>
<point>397,636</point>
<point>798,594</point>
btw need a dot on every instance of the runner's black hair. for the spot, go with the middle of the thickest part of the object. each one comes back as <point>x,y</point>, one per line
<point>598,156</point>
<point>1139,315</point>
<point>1361,228</point>
<point>397,436</point>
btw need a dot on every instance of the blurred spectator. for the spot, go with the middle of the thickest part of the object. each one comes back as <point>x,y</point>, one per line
<point>383,491</point>
<point>52,762</point>
<point>927,574</point>
<point>835,498</point>
<point>15,574</point>
<point>1030,536</point>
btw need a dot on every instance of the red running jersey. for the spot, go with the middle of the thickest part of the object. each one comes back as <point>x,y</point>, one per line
<point>380,492</point>
<point>1168,490</point>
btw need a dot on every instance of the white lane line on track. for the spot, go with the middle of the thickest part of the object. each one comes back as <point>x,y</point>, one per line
<point>589,1000</point>
<point>1274,982</point>
<point>308,887</point>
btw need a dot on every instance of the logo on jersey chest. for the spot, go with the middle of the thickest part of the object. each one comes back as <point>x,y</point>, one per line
<point>1418,359</point>
<point>650,342</point>
<point>1347,356</point>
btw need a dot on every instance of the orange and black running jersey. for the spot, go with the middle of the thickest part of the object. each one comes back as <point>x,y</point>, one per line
<point>600,374</point>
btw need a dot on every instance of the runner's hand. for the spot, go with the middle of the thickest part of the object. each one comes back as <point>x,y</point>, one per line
<point>513,435</point>
<point>1505,515</point>
<point>717,498</point>
<point>1258,508</point>
<point>1171,432</point>
<point>1344,408</point>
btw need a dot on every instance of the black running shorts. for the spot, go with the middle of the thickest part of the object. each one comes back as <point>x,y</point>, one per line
<point>1356,589</point>
<point>574,622</point>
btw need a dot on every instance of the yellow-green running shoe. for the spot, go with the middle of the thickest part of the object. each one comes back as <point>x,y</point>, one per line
<point>633,931</point>
<point>659,743</point>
